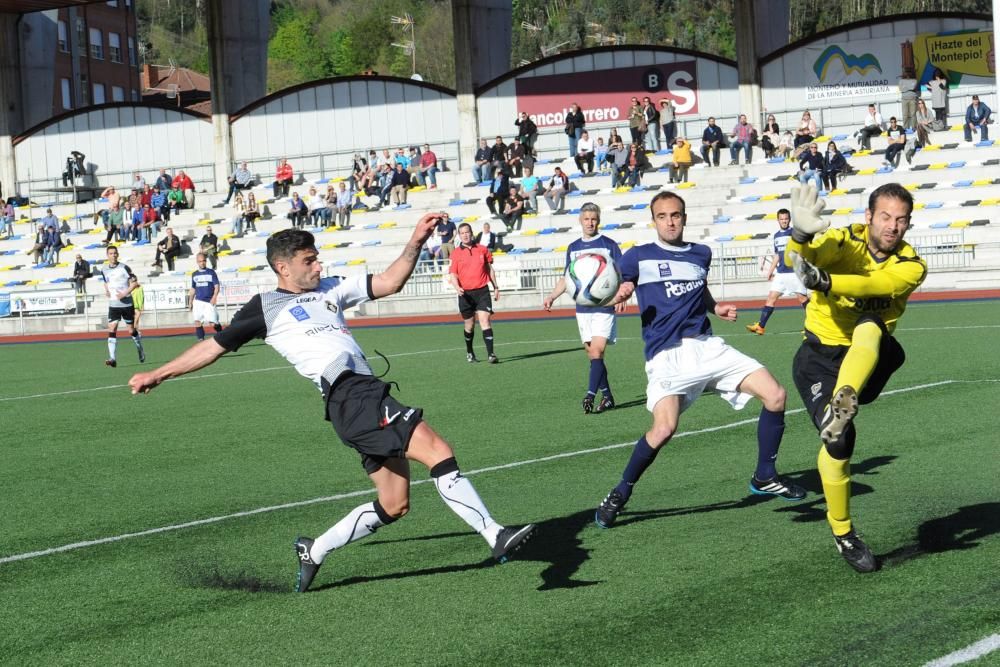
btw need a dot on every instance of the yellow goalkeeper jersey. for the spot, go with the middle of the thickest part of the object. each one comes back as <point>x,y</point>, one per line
<point>859,283</point>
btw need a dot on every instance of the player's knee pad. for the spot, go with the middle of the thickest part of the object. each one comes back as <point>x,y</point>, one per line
<point>843,447</point>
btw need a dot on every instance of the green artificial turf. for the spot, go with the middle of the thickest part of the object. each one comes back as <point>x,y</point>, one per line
<point>696,572</point>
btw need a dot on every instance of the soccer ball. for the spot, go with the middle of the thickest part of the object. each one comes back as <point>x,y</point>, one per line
<point>594,279</point>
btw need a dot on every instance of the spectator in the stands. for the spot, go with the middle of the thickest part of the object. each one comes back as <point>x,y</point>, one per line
<point>498,153</point>
<point>681,161</point>
<point>169,247</point>
<point>806,131</point>
<point>811,166</point>
<point>251,213</point>
<point>770,137</point>
<point>616,158</point>
<point>283,178</point>
<point>742,137</point>
<point>555,194</point>
<point>785,145</point>
<point>530,188</point>
<point>527,132</point>
<point>209,246</point>
<point>487,238</point>
<point>513,209</point>
<point>81,271</point>
<point>138,182</point>
<point>112,195</point>
<point>114,222</point>
<point>37,249</point>
<point>652,118</point>
<point>668,122</point>
<point>385,184</point>
<point>158,200</point>
<point>164,181</point>
<point>428,167</point>
<point>482,170</point>
<point>400,184</point>
<point>871,127</point>
<point>977,118</point>
<point>345,202</point>
<point>499,187</point>
<point>240,179</point>
<point>635,121</point>
<point>176,199</point>
<point>318,212</point>
<point>7,216</point>
<point>50,220</point>
<point>183,181</point>
<point>297,212</point>
<point>575,122</point>
<point>53,244</point>
<point>896,135</point>
<point>600,153</point>
<point>585,153</point>
<point>635,164</point>
<point>712,142</point>
<point>239,214</point>
<point>516,157</point>
<point>939,98</point>
<point>834,164</point>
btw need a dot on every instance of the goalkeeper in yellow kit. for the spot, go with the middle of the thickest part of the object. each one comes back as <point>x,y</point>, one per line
<point>862,275</point>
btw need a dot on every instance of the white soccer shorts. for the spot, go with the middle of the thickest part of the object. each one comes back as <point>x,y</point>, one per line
<point>597,324</point>
<point>787,284</point>
<point>697,365</point>
<point>203,311</point>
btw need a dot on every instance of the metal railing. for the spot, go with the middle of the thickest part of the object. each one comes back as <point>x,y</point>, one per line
<point>38,188</point>
<point>313,166</point>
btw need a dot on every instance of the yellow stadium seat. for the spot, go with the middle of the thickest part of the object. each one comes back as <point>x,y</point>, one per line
<point>471,218</point>
<point>223,253</point>
<point>743,237</point>
<point>958,224</point>
<point>387,225</point>
<point>918,207</point>
<point>356,262</point>
<point>771,216</point>
<point>627,245</point>
<point>770,197</point>
<point>842,211</point>
<point>244,269</point>
<point>939,165</point>
<point>529,232</point>
<point>989,202</point>
<point>866,172</point>
<point>912,186</point>
<point>838,191</point>
<point>328,246</point>
<point>931,148</point>
<point>983,181</point>
<point>685,186</point>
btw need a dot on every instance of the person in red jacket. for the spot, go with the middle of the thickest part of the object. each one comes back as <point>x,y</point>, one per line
<point>183,183</point>
<point>283,179</point>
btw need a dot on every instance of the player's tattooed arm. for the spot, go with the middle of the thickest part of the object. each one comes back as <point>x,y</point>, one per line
<point>395,276</point>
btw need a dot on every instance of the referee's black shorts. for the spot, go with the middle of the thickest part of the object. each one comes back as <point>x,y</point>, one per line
<point>475,299</point>
<point>369,420</point>
<point>816,366</point>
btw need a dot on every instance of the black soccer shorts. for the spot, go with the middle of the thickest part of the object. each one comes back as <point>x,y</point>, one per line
<point>475,299</point>
<point>126,313</point>
<point>816,366</point>
<point>369,420</point>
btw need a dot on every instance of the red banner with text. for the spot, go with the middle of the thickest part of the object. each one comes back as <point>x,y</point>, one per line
<point>605,95</point>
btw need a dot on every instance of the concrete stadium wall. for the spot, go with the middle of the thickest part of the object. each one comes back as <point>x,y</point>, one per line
<point>117,139</point>
<point>841,71</point>
<point>338,117</point>
<point>602,81</point>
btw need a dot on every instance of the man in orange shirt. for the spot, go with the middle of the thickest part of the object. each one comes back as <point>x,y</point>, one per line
<point>470,272</point>
<point>283,179</point>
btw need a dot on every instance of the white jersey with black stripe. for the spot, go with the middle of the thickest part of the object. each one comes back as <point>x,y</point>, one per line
<point>308,328</point>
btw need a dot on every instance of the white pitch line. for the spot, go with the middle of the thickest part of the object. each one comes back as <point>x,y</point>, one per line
<point>351,494</point>
<point>969,653</point>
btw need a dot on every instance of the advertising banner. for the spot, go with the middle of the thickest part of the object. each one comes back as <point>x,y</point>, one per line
<point>606,95</point>
<point>4,304</point>
<point>166,296</point>
<point>56,301</point>
<point>236,292</point>
<point>964,56</point>
<point>869,68</point>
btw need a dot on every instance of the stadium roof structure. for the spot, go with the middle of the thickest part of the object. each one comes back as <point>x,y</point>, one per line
<point>28,6</point>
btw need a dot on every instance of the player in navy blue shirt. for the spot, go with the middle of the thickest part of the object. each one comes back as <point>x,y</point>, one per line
<point>203,295</point>
<point>670,279</point>
<point>783,279</point>
<point>596,323</point>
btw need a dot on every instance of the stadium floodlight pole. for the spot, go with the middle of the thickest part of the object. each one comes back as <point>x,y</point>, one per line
<point>406,20</point>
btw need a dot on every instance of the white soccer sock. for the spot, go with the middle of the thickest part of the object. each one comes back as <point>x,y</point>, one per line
<point>458,493</point>
<point>362,521</point>
<point>112,347</point>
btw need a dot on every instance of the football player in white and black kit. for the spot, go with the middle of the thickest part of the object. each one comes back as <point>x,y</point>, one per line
<point>119,282</point>
<point>303,319</point>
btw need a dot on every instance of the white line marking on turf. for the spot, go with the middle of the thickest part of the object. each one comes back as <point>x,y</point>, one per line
<point>969,653</point>
<point>351,494</point>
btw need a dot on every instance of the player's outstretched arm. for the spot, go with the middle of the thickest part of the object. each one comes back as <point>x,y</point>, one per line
<point>195,357</point>
<point>393,278</point>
